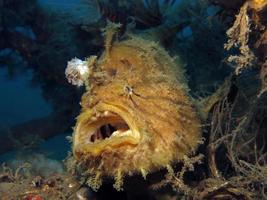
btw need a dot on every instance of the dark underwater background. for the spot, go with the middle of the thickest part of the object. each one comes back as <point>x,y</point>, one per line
<point>38,106</point>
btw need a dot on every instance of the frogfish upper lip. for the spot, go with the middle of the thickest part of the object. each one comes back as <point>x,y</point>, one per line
<point>110,128</point>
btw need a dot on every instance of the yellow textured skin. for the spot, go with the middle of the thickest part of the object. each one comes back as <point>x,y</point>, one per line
<point>137,80</point>
<point>258,4</point>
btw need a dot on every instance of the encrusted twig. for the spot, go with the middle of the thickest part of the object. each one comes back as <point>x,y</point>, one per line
<point>176,180</point>
<point>238,37</point>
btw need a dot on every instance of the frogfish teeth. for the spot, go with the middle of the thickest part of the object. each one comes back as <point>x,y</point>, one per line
<point>136,115</point>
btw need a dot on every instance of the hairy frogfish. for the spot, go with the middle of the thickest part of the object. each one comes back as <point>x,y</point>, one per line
<point>137,116</point>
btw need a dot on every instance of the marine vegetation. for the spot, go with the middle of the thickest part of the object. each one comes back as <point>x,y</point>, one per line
<point>173,104</point>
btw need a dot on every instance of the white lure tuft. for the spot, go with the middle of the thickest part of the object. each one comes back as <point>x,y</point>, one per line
<point>77,72</point>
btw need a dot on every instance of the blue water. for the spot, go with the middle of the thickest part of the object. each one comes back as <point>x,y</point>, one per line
<point>20,101</point>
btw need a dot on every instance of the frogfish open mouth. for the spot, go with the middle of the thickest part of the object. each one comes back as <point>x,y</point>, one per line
<point>136,115</point>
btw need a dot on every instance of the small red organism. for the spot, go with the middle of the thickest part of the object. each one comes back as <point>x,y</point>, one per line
<point>34,197</point>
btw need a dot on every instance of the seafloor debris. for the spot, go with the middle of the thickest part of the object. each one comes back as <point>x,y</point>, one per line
<point>40,164</point>
<point>22,185</point>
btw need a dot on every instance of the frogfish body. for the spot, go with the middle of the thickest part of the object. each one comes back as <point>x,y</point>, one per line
<point>136,116</point>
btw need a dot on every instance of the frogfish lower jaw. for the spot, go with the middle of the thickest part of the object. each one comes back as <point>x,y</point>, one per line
<point>104,130</point>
